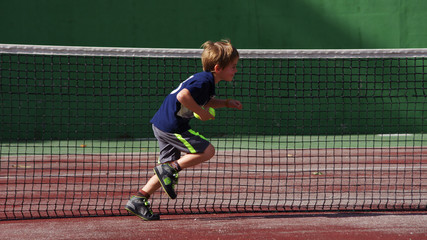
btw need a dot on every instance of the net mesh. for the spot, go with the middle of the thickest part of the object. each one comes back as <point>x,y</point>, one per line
<point>320,130</point>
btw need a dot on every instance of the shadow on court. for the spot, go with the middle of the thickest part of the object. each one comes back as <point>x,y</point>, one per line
<point>341,225</point>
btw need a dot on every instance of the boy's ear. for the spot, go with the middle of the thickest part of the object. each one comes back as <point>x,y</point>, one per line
<point>217,68</point>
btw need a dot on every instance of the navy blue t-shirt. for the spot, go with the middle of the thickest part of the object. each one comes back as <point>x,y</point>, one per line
<point>172,117</point>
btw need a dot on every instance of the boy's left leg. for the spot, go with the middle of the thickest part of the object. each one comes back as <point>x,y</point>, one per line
<point>168,173</point>
<point>197,148</point>
<point>193,159</point>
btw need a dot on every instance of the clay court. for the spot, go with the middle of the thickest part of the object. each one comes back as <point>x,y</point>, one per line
<point>327,211</point>
<point>45,186</point>
<point>372,225</point>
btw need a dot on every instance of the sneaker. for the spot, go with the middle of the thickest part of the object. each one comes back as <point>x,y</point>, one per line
<point>168,177</point>
<point>140,207</point>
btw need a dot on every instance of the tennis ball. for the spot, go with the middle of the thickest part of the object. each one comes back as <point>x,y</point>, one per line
<point>211,111</point>
<point>83,145</point>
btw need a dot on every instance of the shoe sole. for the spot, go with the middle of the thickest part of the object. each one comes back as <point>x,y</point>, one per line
<point>172,196</point>
<point>143,218</point>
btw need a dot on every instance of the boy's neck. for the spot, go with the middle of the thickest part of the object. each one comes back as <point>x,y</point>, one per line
<point>216,78</point>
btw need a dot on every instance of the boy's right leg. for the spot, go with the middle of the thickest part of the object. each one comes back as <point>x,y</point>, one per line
<point>139,205</point>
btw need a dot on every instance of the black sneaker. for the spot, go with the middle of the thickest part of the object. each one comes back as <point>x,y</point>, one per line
<point>140,207</point>
<point>168,177</point>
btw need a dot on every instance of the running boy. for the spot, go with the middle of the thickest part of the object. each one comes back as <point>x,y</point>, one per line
<point>171,124</point>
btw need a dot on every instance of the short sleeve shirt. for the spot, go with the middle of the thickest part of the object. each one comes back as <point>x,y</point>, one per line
<point>173,117</point>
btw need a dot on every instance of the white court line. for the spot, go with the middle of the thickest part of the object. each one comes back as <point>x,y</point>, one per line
<point>395,135</point>
<point>107,174</point>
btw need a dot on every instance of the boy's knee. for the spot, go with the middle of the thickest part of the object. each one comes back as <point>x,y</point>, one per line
<point>209,151</point>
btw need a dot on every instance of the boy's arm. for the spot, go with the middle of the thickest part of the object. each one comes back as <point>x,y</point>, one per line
<point>185,98</point>
<point>220,103</point>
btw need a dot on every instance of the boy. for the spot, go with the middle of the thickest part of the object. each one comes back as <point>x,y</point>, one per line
<point>171,124</point>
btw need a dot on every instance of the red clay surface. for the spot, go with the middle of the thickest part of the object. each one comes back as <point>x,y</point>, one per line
<point>348,226</point>
<point>40,186</point>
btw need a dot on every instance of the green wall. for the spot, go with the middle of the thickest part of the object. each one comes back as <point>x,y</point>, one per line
<point>49,97</point>
<point>283,24</point>
<point>69,97</point>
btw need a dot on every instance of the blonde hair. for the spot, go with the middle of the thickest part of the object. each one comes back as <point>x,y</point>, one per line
<point>221,53</point>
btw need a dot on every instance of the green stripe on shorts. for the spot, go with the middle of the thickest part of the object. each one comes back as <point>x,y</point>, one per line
<point>196,133</point>
<point>186,143</point>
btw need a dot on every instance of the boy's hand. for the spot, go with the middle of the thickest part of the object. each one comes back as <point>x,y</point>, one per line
<point>205,115</point>
<point>232,103</point>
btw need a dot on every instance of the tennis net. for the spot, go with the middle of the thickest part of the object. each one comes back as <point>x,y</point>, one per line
<point>320,130</point>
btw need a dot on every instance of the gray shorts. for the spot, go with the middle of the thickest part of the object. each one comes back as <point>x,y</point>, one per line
<point>172,144</point>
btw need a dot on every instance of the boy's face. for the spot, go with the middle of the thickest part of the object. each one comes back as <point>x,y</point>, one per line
<point>228,72</point>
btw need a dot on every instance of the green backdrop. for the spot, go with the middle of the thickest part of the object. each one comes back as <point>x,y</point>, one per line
<point>283,24</point>
<point>93,103</point>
